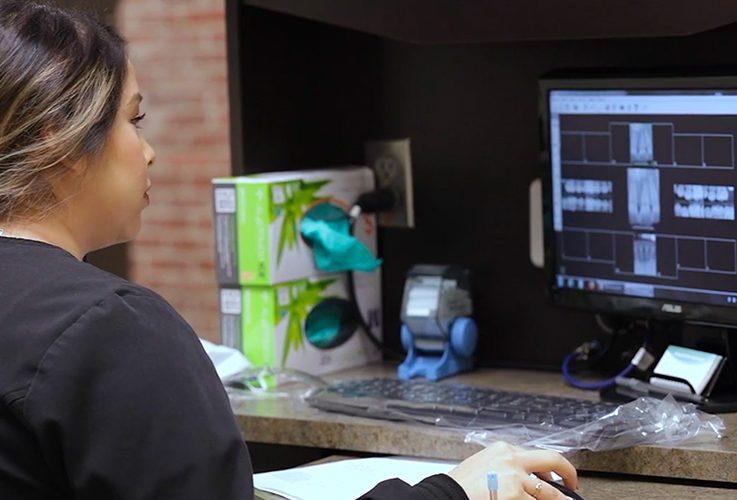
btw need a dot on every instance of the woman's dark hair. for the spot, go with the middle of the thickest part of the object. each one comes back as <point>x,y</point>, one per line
<point>61,80</point>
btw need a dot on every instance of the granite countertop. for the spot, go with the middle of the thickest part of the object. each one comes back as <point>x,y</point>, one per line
<point>288,420</point>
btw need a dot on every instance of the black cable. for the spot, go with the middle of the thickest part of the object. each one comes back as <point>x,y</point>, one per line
<point>602,324</point>
<point>592,352</point>
<point>730,354</point>
<point>390,353</point>
<point>352,297</point>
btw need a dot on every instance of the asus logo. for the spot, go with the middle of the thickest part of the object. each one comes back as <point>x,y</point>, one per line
<point>672,308</point>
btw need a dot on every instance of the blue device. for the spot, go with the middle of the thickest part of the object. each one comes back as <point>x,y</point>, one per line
<point>438,332</point>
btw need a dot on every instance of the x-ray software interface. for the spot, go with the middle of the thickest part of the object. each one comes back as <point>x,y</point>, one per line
<point>643,193</point>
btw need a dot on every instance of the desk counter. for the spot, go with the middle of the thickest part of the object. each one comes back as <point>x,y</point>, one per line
<point>593,488</point>
<point>289,421</point>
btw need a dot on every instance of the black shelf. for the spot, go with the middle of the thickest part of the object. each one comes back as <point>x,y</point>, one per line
<point>307,91</point>
<point>473,21</point>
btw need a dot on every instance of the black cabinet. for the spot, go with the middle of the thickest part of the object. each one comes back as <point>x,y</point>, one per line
<point>475,21</point>
<point>311,80</point>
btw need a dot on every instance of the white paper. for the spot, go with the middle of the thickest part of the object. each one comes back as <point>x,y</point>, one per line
<point>346,478</point>
<point>228,362</point>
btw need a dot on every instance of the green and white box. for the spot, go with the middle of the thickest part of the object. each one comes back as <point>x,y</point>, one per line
<point>257,221</point>
<point>294,325</point>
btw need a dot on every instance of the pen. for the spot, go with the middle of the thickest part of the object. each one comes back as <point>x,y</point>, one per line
<point>492,482</point>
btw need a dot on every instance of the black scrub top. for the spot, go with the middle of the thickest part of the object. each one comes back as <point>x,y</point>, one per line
<point>107,393</point>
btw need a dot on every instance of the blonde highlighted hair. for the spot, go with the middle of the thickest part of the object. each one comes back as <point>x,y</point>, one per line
<point>61,80</point>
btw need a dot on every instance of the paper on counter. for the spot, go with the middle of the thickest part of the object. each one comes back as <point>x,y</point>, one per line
<point>346,478</point>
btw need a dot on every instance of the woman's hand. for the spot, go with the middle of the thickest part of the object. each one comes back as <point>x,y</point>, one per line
<point>514,466</point>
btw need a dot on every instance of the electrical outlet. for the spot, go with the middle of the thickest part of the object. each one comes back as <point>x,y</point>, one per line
<point>391,162</point>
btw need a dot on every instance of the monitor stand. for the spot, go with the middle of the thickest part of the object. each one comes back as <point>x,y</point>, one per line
<point>722,399</point>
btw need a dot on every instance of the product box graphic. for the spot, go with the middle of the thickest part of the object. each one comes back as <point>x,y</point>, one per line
<point>306,324</point>
<point>258,217</point>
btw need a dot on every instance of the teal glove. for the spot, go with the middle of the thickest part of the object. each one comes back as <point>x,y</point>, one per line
<point>323,326</point>
<point>327,229</point>
<point>331,323</point>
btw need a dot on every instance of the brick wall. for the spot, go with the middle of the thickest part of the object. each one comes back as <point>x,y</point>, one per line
<point>178,49</point>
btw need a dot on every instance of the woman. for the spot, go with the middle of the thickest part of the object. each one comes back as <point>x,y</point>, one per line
<point>105,391</point>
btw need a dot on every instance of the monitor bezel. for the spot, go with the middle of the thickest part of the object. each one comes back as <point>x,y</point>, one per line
<point>599,302</point>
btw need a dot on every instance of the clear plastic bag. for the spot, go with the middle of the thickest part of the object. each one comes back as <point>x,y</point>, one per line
<point>265,382</point>
<point>644,421</point>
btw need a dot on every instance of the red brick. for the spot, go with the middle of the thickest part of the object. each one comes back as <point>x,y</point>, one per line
<point>179,52</point>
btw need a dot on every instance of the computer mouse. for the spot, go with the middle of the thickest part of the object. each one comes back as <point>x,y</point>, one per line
<point>565,490</point>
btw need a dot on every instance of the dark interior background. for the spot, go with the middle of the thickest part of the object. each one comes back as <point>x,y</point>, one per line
<point>308,94</point>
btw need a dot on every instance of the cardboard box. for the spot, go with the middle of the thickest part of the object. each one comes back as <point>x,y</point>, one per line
<point>257,221</point>
<point>279,325</point>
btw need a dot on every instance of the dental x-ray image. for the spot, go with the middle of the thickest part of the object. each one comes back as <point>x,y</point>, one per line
<point>643,194</point>
<point>697,201</point>
<point>587,195</point>
<point>645,255</point>
<point>641,143</point>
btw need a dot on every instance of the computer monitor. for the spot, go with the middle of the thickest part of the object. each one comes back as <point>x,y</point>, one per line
<point>639,195</point>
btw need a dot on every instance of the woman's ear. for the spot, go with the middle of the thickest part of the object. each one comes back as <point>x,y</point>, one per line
<point>66,179</point>
<point>64,174</point>
<point>78,168</point>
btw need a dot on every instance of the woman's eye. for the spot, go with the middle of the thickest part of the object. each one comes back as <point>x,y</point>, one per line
<point>135,121</point>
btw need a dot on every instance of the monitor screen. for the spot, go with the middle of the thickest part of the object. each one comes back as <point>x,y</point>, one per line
<point>641,198</point>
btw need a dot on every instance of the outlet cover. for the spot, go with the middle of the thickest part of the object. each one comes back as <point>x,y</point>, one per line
<point>391,162</point>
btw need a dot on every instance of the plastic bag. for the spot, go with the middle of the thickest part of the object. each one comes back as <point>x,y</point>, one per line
<point>245,382</point>
<point>265,382</point>
<point>644,421</point>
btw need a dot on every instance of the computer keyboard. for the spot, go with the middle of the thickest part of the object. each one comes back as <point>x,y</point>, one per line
<point>454,405</point>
